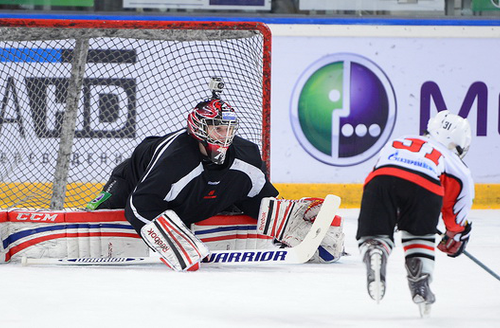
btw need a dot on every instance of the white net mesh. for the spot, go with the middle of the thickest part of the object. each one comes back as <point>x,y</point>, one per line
<point>136,83</point>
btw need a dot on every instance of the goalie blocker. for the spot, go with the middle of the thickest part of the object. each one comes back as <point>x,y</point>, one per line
<point>179,248</point>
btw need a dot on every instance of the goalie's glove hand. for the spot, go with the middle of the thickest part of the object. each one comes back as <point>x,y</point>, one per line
<point>453,243</point>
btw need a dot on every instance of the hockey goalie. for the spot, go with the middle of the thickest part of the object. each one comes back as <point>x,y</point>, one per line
<point>172,183</point>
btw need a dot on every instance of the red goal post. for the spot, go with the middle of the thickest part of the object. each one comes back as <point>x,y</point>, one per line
<point>78,95</point>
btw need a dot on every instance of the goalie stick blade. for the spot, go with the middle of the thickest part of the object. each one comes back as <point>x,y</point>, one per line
<point>251,257</point>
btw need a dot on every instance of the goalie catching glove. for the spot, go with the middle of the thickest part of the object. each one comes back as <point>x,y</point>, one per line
<point>289,221</point>
<point>179,248</point>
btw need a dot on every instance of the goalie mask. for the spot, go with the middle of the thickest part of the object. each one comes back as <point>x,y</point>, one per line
<point>452,131</point>
<point>214,124</point>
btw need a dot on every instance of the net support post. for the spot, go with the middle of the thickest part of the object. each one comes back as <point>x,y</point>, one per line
<point>69,123</point>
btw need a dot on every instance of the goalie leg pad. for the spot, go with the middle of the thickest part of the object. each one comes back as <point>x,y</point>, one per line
<point>179,248</point>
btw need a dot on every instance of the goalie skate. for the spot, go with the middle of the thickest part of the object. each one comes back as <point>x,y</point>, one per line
<point>376,261</point>
<point>418,282</point>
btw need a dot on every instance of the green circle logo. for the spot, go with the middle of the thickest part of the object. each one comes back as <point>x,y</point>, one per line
<point>343,109</point>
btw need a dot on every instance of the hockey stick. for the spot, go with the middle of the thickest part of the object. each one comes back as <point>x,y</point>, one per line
<point>469,255</point>
<point>475,260</point>
<point>294,255</point>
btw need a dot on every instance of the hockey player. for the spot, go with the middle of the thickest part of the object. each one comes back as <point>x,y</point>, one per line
<point>194,173</point>
<point>173,181</point>
<point>414,180</point>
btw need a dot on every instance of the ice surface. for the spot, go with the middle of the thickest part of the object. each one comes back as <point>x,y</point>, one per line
<point>310,295</point>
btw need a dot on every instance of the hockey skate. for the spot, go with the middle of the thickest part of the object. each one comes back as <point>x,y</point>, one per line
<point>375,259</point>
<point>418,282</point>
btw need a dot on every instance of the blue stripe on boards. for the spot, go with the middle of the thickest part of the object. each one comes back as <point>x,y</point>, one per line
<point>30,55</point>
<point>453,21</point>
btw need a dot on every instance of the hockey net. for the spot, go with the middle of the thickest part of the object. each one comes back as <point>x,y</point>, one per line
<point>77,96</point>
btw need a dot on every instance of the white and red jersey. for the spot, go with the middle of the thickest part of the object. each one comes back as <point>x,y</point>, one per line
<point>432,166</point>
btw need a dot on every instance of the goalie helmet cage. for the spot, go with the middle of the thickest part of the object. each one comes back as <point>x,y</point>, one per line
<point>77,96</point>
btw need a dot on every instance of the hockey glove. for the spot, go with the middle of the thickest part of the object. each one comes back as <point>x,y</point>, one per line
<point>453,243</point>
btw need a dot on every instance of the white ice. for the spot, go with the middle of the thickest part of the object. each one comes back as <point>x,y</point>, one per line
<point>310,295</point>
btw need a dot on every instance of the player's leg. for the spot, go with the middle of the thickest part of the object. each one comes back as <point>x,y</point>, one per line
<point>114,195</point>
<point>376,222</point>
<point>419,263</point>
<point>418,221</point>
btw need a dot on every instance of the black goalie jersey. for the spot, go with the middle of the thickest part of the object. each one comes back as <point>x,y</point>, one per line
<point>170,172</point>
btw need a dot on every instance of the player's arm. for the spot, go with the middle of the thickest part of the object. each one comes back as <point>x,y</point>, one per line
<point>261,187</point>
<point>145,203</point>
<point>177,245</point>
<point>457,202</point>
<point>166,234</point>
<point>251,205</point>
<point>453,243</point>
<point>155,189</point>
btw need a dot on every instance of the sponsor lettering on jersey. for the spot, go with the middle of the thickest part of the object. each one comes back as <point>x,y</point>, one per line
<point>246,256</point>
<point>415,162</point>
<point>23,216</point>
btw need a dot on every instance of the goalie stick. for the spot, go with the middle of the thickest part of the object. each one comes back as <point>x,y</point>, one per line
<point>294,255</point>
